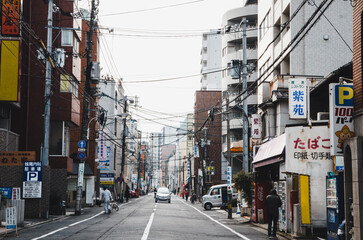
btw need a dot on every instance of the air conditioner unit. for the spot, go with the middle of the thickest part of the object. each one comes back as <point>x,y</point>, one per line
<point>323,116</point>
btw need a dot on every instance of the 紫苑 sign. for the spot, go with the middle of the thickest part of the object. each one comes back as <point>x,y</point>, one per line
<point>341,116</point>
<point>15,158</point>
<point>256,128</point>
<point>297,98</point>
<point>32,171</point>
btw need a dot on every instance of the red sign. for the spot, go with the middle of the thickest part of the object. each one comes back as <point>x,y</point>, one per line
<point>10,17</point>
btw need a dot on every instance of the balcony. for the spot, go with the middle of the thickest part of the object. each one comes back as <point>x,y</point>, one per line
<point>9,141</point>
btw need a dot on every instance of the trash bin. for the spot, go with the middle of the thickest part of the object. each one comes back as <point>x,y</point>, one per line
<point>260,216</point>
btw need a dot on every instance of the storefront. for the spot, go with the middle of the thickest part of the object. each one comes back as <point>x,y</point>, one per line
<point>266,165</point>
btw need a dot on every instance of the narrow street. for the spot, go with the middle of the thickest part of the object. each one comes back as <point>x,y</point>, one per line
<point>142,218</point>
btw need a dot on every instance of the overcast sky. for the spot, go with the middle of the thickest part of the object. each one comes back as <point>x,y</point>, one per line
<point>139,53</point>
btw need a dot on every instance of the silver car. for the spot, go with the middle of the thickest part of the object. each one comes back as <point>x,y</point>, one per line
<point>163,194</point>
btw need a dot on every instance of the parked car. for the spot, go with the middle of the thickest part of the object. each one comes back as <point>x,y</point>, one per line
<point>163,194</point>
<point>217,196</point>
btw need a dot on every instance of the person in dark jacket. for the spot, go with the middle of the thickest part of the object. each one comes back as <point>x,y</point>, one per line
<point>273,202</point>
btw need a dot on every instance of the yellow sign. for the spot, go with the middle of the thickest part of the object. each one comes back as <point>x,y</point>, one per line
<point>106,182</point>
<point>305,199</point>
<point>9,71</point>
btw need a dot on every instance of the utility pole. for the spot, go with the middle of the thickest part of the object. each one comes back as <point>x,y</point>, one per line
<point>204,143</point>
<point>85,109</point>
<point>123,152</point>
<point>229,157</point>
<point>245,106</point>
<point>48,83</point>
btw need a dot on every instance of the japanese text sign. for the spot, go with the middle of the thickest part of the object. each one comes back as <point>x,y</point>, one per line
<point>307,149</point>
<point>15,158</point>
<point>297,98</point>
<point>256,126</point>
<point>32,171</point>
<point>10,17</point>
<point>102,154</point>
<point>341,116</point>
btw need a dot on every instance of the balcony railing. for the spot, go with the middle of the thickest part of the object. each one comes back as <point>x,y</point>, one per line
<point>9,141</point>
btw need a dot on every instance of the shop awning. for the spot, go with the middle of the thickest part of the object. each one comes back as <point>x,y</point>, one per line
<point>270,152</point>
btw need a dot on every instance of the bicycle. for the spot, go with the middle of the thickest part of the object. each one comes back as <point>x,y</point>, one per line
<point>114,206</point>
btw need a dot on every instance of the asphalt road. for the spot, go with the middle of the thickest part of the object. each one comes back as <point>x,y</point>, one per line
<point>144,219</point>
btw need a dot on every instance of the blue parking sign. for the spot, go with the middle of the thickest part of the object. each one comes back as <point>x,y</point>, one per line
<point>32,171</point>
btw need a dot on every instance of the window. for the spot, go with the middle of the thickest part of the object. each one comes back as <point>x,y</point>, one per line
<point>215,191</point>
<point>75,46</point>
<point>59,139</point>
<point>264,25</point>
<point>67,84</point>
<point>67,38</point>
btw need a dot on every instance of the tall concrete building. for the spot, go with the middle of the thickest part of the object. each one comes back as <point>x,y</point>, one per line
<point>155,152</point>
<point>211,61</point>
<point>286,48</point>
<point>232,79</point>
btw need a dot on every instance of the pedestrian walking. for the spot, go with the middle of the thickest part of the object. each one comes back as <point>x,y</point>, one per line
<point>107,197</point>
<point>273,202</point>
<point>186,194</point>
<point>127,193</point>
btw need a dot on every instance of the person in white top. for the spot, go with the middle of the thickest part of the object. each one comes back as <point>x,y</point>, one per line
<point>107,197</point>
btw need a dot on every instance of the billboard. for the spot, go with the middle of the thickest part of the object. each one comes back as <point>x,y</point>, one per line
<point>298,98</point>
<point>256,126</point>
<point>9,71</point>
<point>341,116</point>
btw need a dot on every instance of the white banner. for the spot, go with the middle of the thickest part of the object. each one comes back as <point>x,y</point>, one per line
<point>297,98</point>
<point>10,217</point>
<point>256,126</point>
<point>341,112</point>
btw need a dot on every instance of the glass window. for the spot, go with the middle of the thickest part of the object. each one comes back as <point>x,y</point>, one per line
<point>67,38</point>
<point>59,139</point>
<point>215,191</point>
<point>67,84</point>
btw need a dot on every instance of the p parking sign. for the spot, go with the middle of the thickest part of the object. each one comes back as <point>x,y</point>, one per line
<point>32,171</point>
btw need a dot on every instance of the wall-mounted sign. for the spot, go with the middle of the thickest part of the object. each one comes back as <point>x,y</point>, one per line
<point>6,192</point>
<point>256,128</point>
<point>297,98</point>
<point>107,178</point>
<point>341,116</point>
<point>32,189</point>
<point>9,71</point>
<point>16,158</point>
<point>10,17</point>
<point>32,171</point>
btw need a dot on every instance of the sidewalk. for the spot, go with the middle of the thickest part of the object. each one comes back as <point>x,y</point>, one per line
<point>34,222</point>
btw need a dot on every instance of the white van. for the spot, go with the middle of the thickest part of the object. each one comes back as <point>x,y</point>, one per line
<point>216,196</point>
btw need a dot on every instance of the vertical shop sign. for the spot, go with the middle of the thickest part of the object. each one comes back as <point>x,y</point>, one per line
<point>10,17</point>
<point>9,71</point>
<point>305,200</point>
<point>341,116</point>
<point>256,126</point>
<point>297,98</point>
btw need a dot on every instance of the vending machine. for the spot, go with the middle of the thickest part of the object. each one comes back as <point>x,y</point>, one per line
<point>334,204</point>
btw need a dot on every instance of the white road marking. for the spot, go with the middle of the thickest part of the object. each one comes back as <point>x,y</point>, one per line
<point>226,227</point>
<point>73,224</point>
<point>148,226</point>
<point>46,235</point>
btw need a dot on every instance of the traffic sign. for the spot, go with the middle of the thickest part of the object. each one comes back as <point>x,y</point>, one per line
<point>81,155</point>
<point>81,149</point>
<point>82,144</point>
